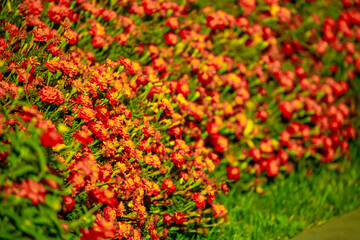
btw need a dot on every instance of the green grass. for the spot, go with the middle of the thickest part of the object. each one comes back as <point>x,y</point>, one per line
<point>292,205</point>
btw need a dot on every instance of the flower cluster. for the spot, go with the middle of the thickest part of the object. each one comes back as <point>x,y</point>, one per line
<point>139,104</point>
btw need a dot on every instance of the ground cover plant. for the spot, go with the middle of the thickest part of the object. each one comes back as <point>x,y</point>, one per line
<point>125,119</point>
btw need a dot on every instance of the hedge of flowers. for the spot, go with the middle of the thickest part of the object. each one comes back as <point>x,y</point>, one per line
<point>125,119</point>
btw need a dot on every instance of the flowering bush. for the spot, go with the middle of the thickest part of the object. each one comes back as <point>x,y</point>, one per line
<point>124,119</point>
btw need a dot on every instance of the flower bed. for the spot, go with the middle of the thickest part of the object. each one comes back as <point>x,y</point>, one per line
<point>124,119</point>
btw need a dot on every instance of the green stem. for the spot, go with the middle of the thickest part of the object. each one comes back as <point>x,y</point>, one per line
<point>89,213</point>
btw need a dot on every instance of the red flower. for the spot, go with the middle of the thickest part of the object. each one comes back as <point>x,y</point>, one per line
<point>170,38</point>
<point>204,78</point>
<point>153,160</point>
<point>106,228</point>
<point>130,66</point>
<point>219,210</point>
<point>183,88</point>
<point>168,185</point>
<point>225,188</point>
<point>351,131</point>
<point>90,234</point>
<point>83,137</point>
<point>220,143</point>
<point>84,100</point>
<point>90,56</point>
<point>110,213</point>
<point>250,5</point>
<point>149,6</point>
<point>98,41</point>
<point>32,190</point>
<point>50,138</point>
<point>300,72</point>
<point>212,128</point>
<point>52,65</point>
<point>233,173</point>
<point>347,3</point>
<point>255,153</point>
<point>52,95</point>
<point>106,196</point>
<point>159,148</point>
<point>199,199</point>
<point>112,95</point>
<point>283,156</point>
<point>262,115</point>
<point>344,146</point>
<point>210,197</point>
<point>287,49</point>
<point>273,167</point>
<point>56,13</point>
<point>145,146</point>
<point>285,137</point>
<point>148,131</point>
<point>328,32</point>
<point>179,218</point>
<point>121,39</point>
<point>286,109</point>
<point>329,155</point>
<point>159,64</point>
<point>71,36</point>
<point>172,23</point>
<point>69,202</point>
<point>86,114</point>
<point>167,219</point>
<point>77,180</point>
<point>284,14</point>
<point>184,176</point>
<point>154,235</point>
<point>32,6</point>
<point>327,143</point>
<point>214,157</point>
<point>321,46</point>
<point>102,113</point>
<point>175,131</point>
<point>108,14</point>
<point>178,159</point>
<point>266,146</point>
<point>317,141</point>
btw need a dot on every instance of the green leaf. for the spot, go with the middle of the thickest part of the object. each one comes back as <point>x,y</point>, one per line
<point>24,170</point>
<point>249,128</point>
<point>5,147</point>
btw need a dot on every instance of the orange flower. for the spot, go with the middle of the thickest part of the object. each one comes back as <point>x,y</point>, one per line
<point>168,185</point>
<point>145,146</point>
<point>172,23</point>
<point>179,218</point>
<point>153,160</point>
<point>69,202</point>
<point>199,199</point>
<point>170,38</point>
<point>51,137</point>
<point>220,143</point>
<point>86,114</point>
<point>33,190</point>
<point>71,36</point>
<point>219,210</point>
<point>52,95</point>
<point>178,159</point>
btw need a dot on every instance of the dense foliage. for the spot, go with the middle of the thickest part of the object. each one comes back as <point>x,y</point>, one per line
<point>124,119</point>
